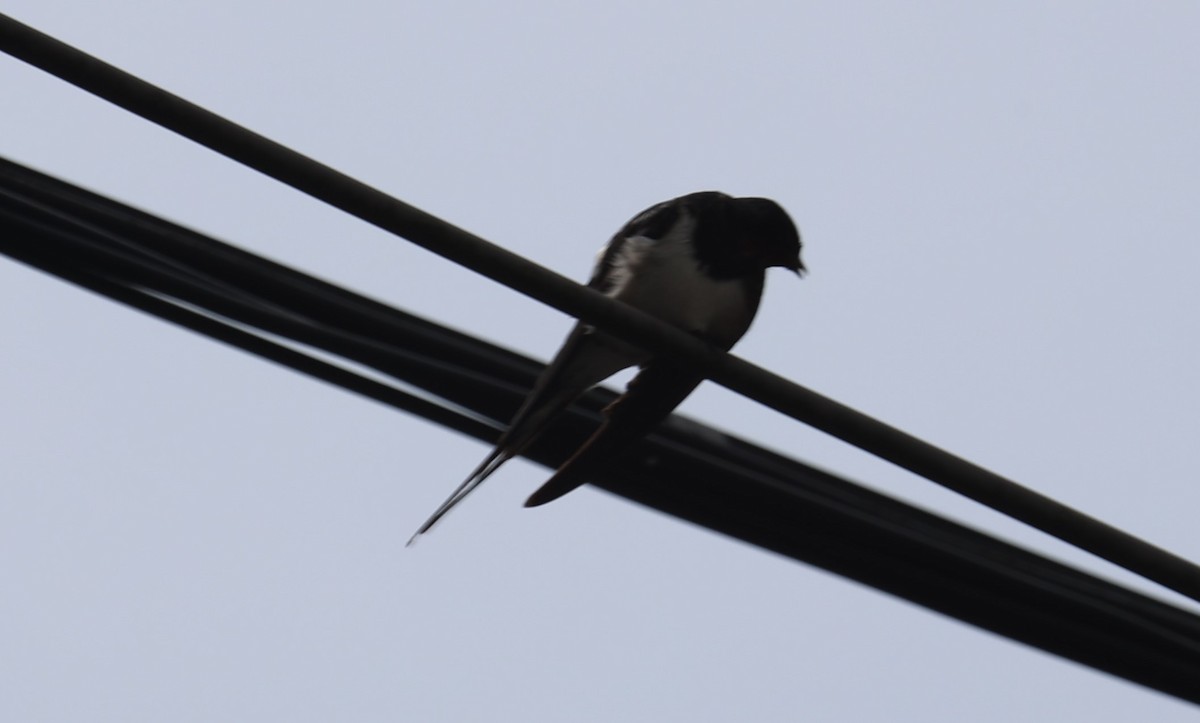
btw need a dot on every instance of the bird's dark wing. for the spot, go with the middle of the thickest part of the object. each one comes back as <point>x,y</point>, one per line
<point>653,223</point>
<point>584,359</point>
<point>650,397</point>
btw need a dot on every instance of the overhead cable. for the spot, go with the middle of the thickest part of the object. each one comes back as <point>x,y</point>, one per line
<point>686,469</point>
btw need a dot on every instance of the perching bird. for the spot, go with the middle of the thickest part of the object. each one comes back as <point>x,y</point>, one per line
<point>698,262</point>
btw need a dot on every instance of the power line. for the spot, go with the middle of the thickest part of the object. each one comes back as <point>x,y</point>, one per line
<point>685,469</point>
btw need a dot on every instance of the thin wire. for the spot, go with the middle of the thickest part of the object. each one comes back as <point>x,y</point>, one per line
<point>466,249</point>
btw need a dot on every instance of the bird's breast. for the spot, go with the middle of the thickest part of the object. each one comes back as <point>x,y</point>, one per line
<point>663,278</point>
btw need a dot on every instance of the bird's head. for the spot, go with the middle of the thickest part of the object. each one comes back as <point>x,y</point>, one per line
<point>766,235</point>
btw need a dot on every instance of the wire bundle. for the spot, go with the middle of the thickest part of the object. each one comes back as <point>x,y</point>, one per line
<point>685,469</point>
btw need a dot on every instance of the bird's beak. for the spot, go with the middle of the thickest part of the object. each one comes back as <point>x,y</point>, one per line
<point>789,262</point>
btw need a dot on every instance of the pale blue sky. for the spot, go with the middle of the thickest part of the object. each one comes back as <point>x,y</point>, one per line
<point>999,208</point>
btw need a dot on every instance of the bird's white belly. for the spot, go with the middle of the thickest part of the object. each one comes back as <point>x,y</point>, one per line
<point>663,279</point>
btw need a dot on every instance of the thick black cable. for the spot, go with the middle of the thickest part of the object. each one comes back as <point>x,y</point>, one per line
<point>375,207</point>
<point>365,351</point>
<point>259,346</point>
<point>196,255</point>
<point>687,470</point>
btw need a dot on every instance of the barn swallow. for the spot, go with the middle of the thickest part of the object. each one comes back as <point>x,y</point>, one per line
<point>697,262</point>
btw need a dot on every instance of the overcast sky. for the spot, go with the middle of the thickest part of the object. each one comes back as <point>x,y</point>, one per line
<point>999,205</point>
